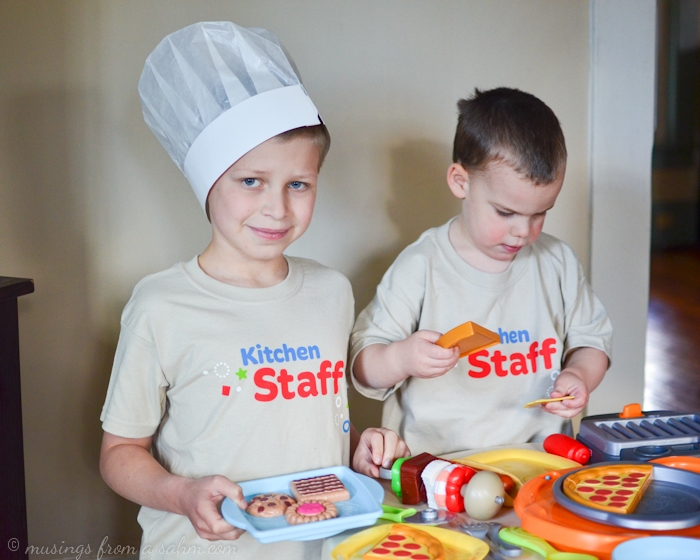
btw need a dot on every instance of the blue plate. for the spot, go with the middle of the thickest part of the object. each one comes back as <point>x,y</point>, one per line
<point>363,508</point>
<point>658,548</point>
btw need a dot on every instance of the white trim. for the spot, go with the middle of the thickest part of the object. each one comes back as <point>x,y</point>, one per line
<point>621,133</point>
<point>240,129</point>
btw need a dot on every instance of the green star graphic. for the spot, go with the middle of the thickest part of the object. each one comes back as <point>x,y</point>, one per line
<point>241,373</point>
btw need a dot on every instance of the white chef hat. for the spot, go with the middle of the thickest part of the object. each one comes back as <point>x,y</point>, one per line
<point>213,91</point>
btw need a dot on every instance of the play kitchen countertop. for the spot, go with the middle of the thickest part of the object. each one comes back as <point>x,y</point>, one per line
<point>506,516</point>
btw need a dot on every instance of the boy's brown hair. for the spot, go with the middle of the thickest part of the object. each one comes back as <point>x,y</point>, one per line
<point>318,134</point>
<point>509,125</point>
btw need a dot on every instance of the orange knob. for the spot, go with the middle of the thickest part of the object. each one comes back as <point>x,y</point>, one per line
<point>632,411</point>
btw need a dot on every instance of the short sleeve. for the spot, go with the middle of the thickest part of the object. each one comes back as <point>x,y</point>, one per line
<point>135,402</point>
<point>393,314</point>
<point>587,324</point>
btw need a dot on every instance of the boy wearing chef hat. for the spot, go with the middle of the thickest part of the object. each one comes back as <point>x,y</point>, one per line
<point>230,366</point>
<point>491,265</point>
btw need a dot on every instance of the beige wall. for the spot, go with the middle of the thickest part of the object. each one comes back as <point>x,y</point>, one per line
<point>90,202</point>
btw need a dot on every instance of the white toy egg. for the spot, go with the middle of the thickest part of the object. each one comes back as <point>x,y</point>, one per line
<point>483,495</point>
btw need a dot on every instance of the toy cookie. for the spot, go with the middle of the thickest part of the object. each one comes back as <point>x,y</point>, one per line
<point>308,511</point>
<point>269,505</point>
<point>328,487</point>
<point>412,488</point>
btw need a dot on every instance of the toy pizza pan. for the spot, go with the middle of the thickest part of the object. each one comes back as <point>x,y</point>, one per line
<point>670,502</point>
<point>362,509</point>
<point>470,338</point>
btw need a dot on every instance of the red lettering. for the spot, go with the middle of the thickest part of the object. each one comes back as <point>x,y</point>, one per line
<point>518,365</point>
<point>260,382</point>
<point>324,375</point>
<point>307,388</point>
<point>284,379</point>
<point>484,367</point>
<point>337,375</point>
<point>532,356</point>
<point>547,350</point>
<point>497,360</point>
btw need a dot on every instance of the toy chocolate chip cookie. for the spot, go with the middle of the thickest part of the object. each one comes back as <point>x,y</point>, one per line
<point>269,505</point>
<point>307,511</point>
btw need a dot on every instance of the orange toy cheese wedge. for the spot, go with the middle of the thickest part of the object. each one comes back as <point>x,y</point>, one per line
<point>470,338</point>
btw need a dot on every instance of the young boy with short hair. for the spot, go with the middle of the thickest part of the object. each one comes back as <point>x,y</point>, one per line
<point>490,265</point>
<point>230,367</point>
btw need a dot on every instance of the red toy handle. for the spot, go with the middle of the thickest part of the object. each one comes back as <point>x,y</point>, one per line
<point>565,446</point>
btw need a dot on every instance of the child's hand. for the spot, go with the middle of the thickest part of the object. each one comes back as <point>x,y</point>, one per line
<point>419,356</point>
<point>200,503</point>
<point>568,383</point>
<point>378,447</point>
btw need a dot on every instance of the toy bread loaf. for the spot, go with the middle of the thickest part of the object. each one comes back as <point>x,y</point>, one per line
<point>412,488</point>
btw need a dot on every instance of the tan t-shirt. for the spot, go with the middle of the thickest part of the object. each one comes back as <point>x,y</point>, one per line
<point>243,382</point>
<point>542,307</point>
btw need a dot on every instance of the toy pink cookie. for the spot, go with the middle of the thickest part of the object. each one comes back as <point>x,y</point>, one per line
<point>308,511</point>
<point>328,487</point>
<point>269,505</point>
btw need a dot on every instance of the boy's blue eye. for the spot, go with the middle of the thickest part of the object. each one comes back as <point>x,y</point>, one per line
<point>251,182</point>
<point>297,185</point>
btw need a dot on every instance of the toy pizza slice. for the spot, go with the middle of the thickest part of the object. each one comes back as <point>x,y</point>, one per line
<point>408,543</point>
<point>613,488</point>
<point>469,337</point>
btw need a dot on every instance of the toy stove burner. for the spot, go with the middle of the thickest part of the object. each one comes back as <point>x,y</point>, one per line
<point>640,436</point>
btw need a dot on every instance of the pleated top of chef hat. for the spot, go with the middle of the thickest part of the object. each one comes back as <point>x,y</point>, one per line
<point>213,91</point>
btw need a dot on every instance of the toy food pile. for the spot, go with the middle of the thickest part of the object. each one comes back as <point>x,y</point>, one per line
<point>314,501</point>
<point>409,543</point>
<point>450,486</point>
<point>615,488</point>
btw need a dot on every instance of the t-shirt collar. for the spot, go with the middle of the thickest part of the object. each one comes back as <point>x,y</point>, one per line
<point>289,286</point>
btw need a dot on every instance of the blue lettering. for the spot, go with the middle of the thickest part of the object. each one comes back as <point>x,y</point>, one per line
<point>513,336</point>
<point>268,355</point>
<point>259,355</point>
<point>248,356</point>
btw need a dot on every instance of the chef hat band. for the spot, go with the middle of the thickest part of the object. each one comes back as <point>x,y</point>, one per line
<point>213,91</point>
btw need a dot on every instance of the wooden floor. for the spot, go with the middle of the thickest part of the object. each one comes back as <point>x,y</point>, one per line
<point>672,373</point>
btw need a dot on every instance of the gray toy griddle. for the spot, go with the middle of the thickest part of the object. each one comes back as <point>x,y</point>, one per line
<point>651,436</point>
